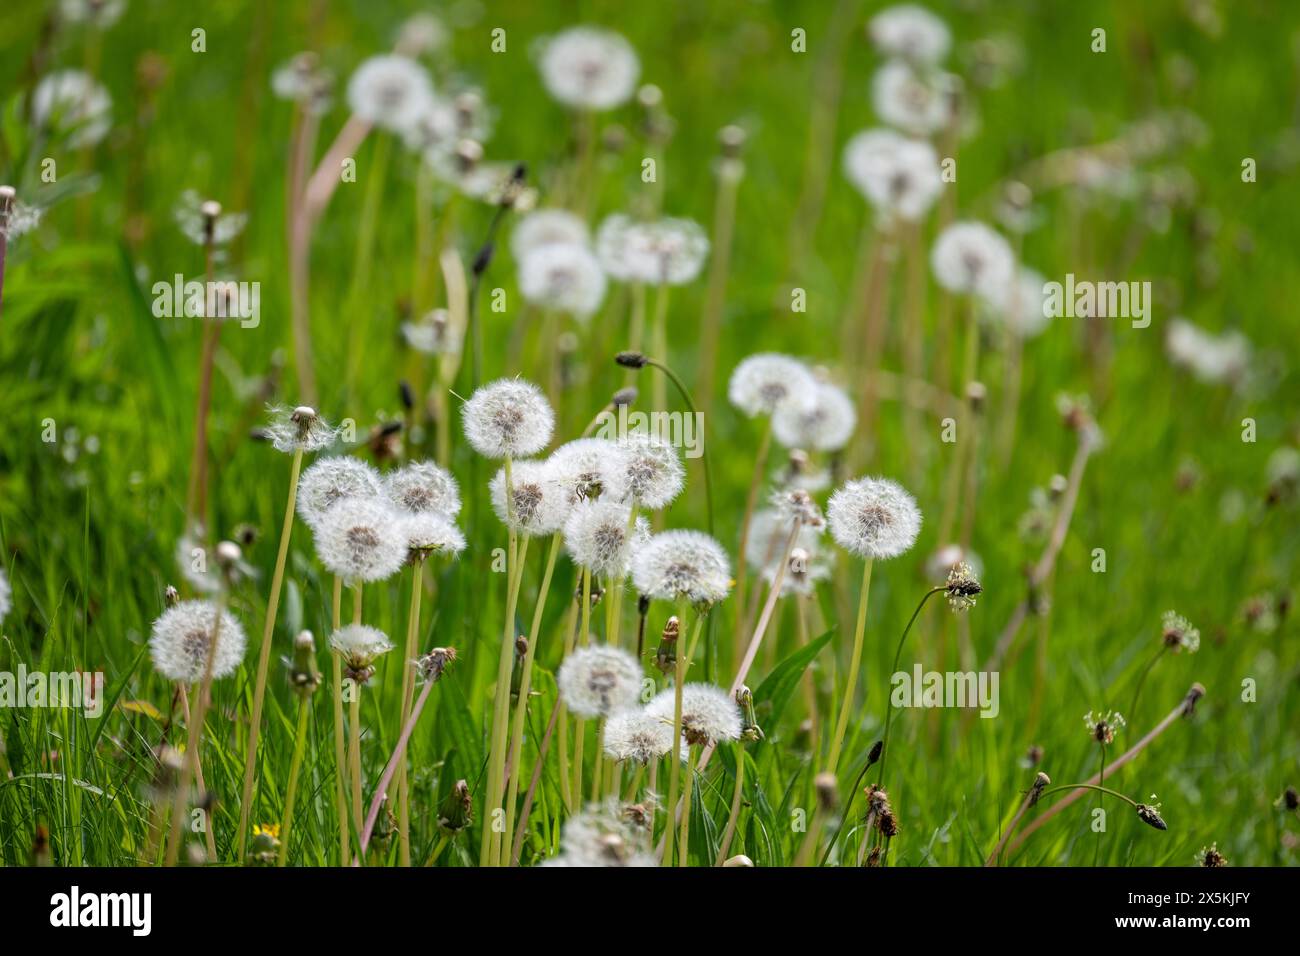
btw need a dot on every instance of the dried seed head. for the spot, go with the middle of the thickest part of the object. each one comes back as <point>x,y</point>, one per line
<point>1196,692</point>
<point>433,664</point>
<point>303,676</point>
<point>1150,815</point>
<point>1210,857</point>
<point>963,587</point>
<point>1041,781</point>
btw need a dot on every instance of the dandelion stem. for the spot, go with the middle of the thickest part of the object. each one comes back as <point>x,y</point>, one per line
<point>408,697</point>
<point>580,725</point>
<point>340,789</point>
<point>737,797</point>
<point>674,765</point>
<point>291,791</point>
<point>751,499</point>
<point>889,703</point>
<point>397,759</point>
<point>704,449</point>
<point>683,839</point>
<point>1137,690</point>
<point>354,759</point>
<point>264,656</point>
<point>518,840</point>
<point>438,848</point>
<point>855,661</point>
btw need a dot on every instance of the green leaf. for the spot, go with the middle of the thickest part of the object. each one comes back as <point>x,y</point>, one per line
<point>775,691</point>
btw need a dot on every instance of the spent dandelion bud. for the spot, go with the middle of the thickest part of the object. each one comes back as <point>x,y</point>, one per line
<point>598,681</point>
<point>827,791</point>
<point>456,812</point>
<point>623,397</point>
<point>434,664</point>
<point>739,860</point>
<point>182,637</point>
<point>1196,692</point>
<point>874,518</point>
<point>1210,857</point>
<point>508,418</point>
<point>631,360</point>
<point>887,823</point>
<point>873,756</point>
<point>749,729</point>
<point>303,676</point>
<point>1041,782</point>
<point>171,596</point>
<point>666,653</point>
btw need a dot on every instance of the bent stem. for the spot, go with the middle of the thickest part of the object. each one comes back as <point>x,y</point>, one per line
<point>264,657</point>
<point>291,791</point>
<point>889,702</point>
<point>340,788</point>
<point>736,799</point>
<point>855,661</point>
<point>395,761</point>
<point>1142,677</point>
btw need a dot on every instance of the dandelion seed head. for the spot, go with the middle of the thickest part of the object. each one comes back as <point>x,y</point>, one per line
<point>604,835</point>
<point>508,418</point>
<point>99,14</point>
<point>825,422</point>
<point>21,218</point>
<point>969,257</point>
<point>764,382</point>
<point>432,334</point>
<point>434,130</point>
<point>709,714</point>
<point>589,68</point>
<point>422,33</point>
<point>769,531</point>
<point>72,103</point>
<point>597,681</point>
<point>597,537</point>
<point>1020,305</point>
<point>331,480</point>
<point>361,539</point>
<point>302,80</point>
<point>1211,358</point>
<point>793,504</point>
<point>591,468</point>
<point>564,277</point>
<point>640,736</point>
<point>874,518</point>
<point>545,227</point>
<point>294,429</point>
<point>423,486</point>
<point>682,565</point>
<point>389,91</point>
<point>914,100</point>
<point>182,638</point>
<point>538,504</point>
<point>359,646</point>
<point>430,532</point>
<point>900,177</point>
<point>1179,633</point>
<point>652,473</point>
<point>911,32</point>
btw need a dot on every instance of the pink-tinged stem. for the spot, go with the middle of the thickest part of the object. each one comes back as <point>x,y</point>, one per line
<point>398,752</point>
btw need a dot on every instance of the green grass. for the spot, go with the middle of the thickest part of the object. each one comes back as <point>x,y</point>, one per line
<point>89,536</point>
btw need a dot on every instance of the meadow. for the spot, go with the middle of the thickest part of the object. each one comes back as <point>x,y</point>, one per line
<point>996,587</point>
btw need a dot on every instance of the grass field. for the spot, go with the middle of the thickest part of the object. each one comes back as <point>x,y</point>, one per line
<point>1135,159</point>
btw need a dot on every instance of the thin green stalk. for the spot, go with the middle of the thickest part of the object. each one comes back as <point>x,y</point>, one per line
<point>733,818</point>
<point>295,767</point>
<point>340,788</point>
<point>855,661</point>
<point>889,701</point>
<point>408,698</point>
<point>674,761</point>
<point>1142,677</point>
<point>683,839</point>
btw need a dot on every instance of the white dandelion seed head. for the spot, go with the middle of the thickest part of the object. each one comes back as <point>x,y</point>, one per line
<point>900,177</point>
<point>640,736</point>
<point>591,468</point>
<point>791,504</point>
<point>765,381</point>
<point>6,596</point>
<point>433,334</point>
<point>598,681</point>
<point>1210,358</point>
<point>331,480</point>
<point>430,532</point>
<point>390,91</point>
<point>508,418</point>
<point>911,32</point>
<point>359,645</point>
<point>653,474</point>
<point>434,130</point>
<point>538,504</point>
<point>361,539</point>
<point>302,80</point>
<point>1020,304</point>
<point>545,227</point>
<point>874,518</point>
<point>810,562</point>
<point>825,422</point>
<point>203,222</point>
<point>615,248</point>
<point>709,714</point>
<point>301,428</point>
<point>589,68</point>
<point>100,14</point>
<point>422,486</point>
<point>422,33</point>
<point>597,536</point>
<point>682,565</point>
<point>182,638</point>
<point>562,276</point>
<point>74,104</point>
<point>969,257</point>
<point>603,835</point>
<point>917,102</point>
<point>20,220</point>
<point>665,251</point>
<point>1179,633</point>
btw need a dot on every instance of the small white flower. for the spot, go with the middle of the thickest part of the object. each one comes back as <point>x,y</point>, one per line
<point>430,532</point>
<point>331,480</point>
<point>390,91</point>
<point>545,227</point>
<point>640,736</point>
<point>72,103</point>
<point>538,504</point>
<point>598,681</point>
<point>763,382</point>
<point>293,429</point>
<point>900,177</point>
<point>359,646</point>
<point>182,638</point>
<point>709,714</point>
<point>874,518</point>
<point>682,565</point>
<point>919,103</point>
<point>825,423</point>
<point>653,475</point>
<point>911,32</point>
<point>508,417</point>
<point>597,536</point>
<point>361,539</point>
<point>589,68</point>
<point>423,486</point>
<point>969,257</point>
<point>591,468</point>
<point>562,276</point>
